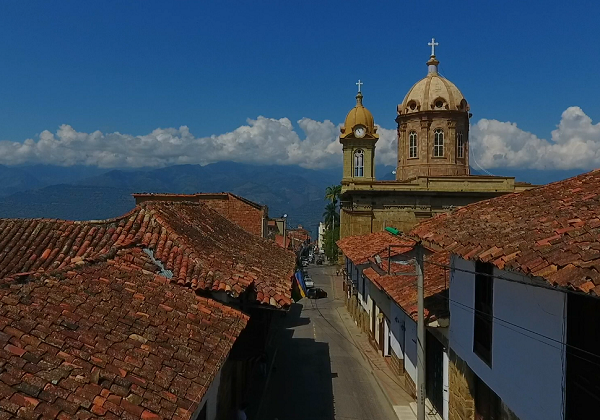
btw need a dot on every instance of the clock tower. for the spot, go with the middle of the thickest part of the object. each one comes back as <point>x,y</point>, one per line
<point>358,138</point>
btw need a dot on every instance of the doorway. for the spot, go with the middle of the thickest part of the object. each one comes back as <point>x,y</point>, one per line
<point>434,372</point>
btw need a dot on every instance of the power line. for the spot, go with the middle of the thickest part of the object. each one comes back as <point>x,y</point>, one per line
<point>465,307</point>
<point>468,308</point>
<point>511,323</point>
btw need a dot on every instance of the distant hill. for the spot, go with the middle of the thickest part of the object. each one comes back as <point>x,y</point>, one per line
<point>16,179</point>
<point>70,202</point>
<point>82,192</point>
<point>291,190</point>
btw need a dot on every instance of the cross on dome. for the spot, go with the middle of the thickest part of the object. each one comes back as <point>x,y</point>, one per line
<point>433,45</point>
<point>359,84</point>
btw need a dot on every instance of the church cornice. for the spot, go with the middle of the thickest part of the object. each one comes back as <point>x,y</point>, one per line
<point>431,115</point>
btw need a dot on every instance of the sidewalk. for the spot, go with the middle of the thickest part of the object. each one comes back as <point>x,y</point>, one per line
<point>391,384</point>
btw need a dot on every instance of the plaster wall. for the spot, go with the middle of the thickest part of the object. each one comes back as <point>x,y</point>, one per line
<point>403,329</point>
<point>527,370</point>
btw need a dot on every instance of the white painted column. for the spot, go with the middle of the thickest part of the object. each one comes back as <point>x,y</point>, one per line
<point>445,388</point>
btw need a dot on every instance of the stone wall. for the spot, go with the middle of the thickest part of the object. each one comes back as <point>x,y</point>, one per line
<point>367,212</point>
<point>461,402</point>
<point>410,386</point>
<point>425,163</point>
<point>397,364</point>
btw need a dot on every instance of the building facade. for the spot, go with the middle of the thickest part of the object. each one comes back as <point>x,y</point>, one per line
<point>524,306</point>
<point>432,175</point>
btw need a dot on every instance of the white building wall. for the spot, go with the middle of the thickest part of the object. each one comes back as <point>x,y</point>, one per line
<point>321,240</point>
<point>527,370</point>
<point>404,339</point>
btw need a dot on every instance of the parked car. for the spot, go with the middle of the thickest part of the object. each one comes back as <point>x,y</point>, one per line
<point>304,263</point>
<point>309,283</point>
<point>319,261</point>
<point>316,293</point>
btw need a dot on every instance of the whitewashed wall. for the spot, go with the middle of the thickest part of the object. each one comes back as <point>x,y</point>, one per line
<point>527,370</point>
<point>403,342</point>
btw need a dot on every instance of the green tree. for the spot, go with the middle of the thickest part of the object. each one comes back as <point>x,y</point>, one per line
<point>331,217</point>
<point>331,248</point>
<point>333,193</point>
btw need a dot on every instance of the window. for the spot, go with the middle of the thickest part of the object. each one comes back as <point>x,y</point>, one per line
<point>460,145</point>
<point>487,403</point>
<point>484,311</point>
<point>438,142</point>
<point>359,158</point>
<point>412,145</point>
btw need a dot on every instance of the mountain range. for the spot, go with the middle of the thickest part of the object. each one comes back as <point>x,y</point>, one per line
<point>84,193</point>
<point>88,193</point>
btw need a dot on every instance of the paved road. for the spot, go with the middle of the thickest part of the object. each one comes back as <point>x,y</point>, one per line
<point>318,372</point>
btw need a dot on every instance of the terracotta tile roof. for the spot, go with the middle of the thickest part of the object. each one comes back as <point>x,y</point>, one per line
<point>108,340</point>
<point>361,247</point>
<point>551,232</point>
<point>202,249</point>
<point>403,288</point>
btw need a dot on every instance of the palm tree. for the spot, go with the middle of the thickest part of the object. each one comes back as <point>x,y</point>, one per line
<point>333,192</point>
<point>331,216</point>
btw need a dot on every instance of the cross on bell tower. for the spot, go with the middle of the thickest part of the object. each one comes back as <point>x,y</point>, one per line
<point>359,84</point>
<point>433,44</point>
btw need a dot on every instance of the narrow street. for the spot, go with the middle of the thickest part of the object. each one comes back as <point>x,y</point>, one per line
<point>318,371</point>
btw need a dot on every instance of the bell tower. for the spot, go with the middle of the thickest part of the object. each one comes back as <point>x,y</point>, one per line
<point>433,127</point>
<point>358,138</point>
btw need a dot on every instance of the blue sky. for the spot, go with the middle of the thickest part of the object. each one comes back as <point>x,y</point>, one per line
<point>133,67</point>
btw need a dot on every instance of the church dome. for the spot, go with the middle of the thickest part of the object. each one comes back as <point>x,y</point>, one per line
<point>359,116</point>
<point>433,93</point>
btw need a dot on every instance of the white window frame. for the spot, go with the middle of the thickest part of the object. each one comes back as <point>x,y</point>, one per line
<point>412,145</point>
<point>359,163</point>
<point>438,143</point>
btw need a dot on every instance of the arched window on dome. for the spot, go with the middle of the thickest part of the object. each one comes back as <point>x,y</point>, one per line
<point>460,145</point>
<point>359,163</point>
<point>438,143</point>
<point>412,145</point>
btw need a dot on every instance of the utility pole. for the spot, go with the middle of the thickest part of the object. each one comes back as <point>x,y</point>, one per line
<point>420,334</point>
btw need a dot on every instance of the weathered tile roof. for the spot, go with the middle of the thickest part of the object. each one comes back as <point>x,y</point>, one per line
<point>107,339</point>
<point>403,288</point>
<point>360,248</point>
<point>202,249</point>
<point>551,232</point>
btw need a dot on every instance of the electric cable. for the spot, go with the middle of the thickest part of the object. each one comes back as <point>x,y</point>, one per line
<point>466,307</point>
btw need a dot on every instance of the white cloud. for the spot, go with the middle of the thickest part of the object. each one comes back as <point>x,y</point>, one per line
<point>575,144</point>
<point>261,141</point>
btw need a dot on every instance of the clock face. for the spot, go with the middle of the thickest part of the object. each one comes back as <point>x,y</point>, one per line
<point>360,131</point>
